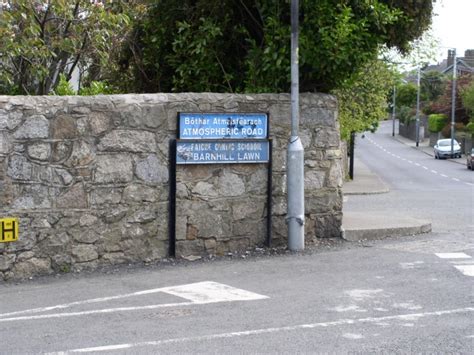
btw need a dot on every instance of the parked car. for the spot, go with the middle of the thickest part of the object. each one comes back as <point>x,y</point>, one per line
<point>442,149</point>
<point>470,160</point>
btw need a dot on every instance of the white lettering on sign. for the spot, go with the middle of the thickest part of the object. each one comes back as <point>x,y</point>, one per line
<point>196,120</point>
<point>249,146</point>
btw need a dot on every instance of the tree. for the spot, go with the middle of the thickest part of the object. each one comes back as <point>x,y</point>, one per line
<point>467,96</point>
<point>444,103</point>
<point>243,46</point>
<point>406,95</point>
<point>42,40</point>
<point>363,101</point>
<point>432,85</point>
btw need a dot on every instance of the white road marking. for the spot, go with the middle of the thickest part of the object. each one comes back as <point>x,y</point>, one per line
<point>466,267</point>
<point>410,161</point>
<point>424,167</point>
<point>462,262</point>
<point>467,270</point>
<point>452,255</point>
<point>445,176</point>
<point>407,305</point>
<point>434,171</point>
<point>197,293</point>
<point>455,179</point>
<point>352,336</point>
<point>411,265</point>
<point>417,164</point>
<point>98,311</point>
<point>359,295</point>
<point>205,292</point>
<point>469,184</point>
<point>376,320</point>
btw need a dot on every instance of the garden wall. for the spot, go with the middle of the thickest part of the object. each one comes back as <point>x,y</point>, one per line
<point>88,178</point>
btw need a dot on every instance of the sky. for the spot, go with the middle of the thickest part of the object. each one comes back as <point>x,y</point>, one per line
<point>453,26</point>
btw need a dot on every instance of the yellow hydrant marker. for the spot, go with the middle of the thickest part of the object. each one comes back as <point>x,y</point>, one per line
<point>8,230</point>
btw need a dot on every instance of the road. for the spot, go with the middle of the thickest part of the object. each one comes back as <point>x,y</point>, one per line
<point>420,186</point>
<point>402,295</point>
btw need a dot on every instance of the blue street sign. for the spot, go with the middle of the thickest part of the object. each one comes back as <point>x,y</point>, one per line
<point>223,125</point>
<point>222,152</point>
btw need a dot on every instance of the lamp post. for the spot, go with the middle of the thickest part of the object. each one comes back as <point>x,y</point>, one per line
<point>417,128</point>
<point>453,103</point>
<point>295,154</point>
<point>393,110</point>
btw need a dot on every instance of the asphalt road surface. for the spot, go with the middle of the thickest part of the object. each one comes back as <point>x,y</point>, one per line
<point>403,295</point>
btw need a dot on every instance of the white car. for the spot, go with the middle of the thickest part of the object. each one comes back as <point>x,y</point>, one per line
<point>442,149</point>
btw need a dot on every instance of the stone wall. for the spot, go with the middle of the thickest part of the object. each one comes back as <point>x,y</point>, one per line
<point>409,130</point>
<point>88,178</point>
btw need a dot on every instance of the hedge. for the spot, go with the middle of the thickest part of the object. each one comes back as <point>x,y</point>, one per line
<point>436,122</point>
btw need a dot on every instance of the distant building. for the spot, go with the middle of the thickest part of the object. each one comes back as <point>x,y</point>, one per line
<point>465,65</point>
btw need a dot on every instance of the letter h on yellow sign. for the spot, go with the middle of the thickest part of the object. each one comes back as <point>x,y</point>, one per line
<point>8,230</point>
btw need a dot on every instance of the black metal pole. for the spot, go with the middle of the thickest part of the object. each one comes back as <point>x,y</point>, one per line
<point>269,194</point>
<point>351,155</point>
<point>172,199</point>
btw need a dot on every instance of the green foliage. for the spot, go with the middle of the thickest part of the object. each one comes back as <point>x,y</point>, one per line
<point>458,127</point>
<point>39,41</point>
<point>444,103</point>
<point>436,122</point>
<point>64,88</point>
<point>195,55</point>
<point>97,88</point>
<point>244,46</point>
<point>406,114</point>
<point>470,127</point>
<point>406,95</point>
<point>363,101</point>
<point>467,96</point>
<point>432,85</point>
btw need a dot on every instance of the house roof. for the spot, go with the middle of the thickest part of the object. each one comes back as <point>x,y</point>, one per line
<point>462,66</point>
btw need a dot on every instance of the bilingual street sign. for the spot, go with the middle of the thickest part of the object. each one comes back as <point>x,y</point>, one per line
<point>222,151</point>
<point>223,126</point>
<point>8,230</point>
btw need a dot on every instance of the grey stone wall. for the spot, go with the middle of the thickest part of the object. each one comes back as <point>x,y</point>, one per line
<point>409,130</point>
<point>88,178</point>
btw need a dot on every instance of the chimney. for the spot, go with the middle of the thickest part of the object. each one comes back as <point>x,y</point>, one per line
<point>469,53</point>
<point>451,54</point>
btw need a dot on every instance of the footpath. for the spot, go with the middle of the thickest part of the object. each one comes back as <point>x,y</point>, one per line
<point>360,226</point>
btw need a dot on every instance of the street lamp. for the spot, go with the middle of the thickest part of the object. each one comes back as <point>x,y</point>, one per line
<point>417,128</point>
<point>295,153</point>
<point>453,103</point>
<point>393,109</point>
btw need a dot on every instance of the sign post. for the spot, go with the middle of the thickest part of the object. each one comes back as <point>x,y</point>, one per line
<point>219,138</point>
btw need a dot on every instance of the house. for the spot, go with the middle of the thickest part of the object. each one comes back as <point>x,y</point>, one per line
<point>464,65</point>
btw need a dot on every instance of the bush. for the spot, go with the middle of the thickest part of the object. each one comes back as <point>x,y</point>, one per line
<point>64,88</point>
<point>436,122</point>
<point>406,114</point>
<point>406,95</point>
<point>470,127</point>
<point>97,88</point>
<point>458,127</point>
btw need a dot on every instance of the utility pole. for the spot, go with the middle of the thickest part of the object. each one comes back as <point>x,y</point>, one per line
<point>453,103</point>
<point>417,128</point>
<point>295,156</point>
<point>393,110</point>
